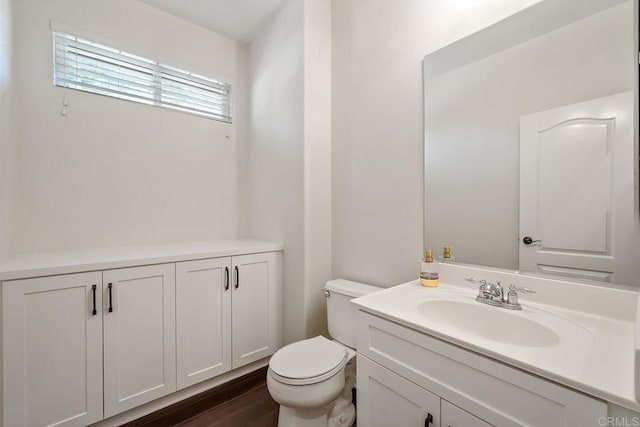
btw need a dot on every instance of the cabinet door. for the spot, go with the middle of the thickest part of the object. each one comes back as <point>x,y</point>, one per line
<point>52,350</point>
<point>256,307</point>
<point>386,399</point>
<point>139,336</point>
<point>452,416</point>
<point>203,319</point>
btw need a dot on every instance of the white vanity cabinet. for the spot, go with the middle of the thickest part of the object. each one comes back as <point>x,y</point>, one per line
<point>386,399</point>
<point>139,336</point>
<point>228,314</point>
<point>474,390</point>
<point>52,351</point>
<point>412,405</point>
<point>121,342</point>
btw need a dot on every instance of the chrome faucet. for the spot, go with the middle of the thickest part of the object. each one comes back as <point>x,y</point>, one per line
<point>494,294</point>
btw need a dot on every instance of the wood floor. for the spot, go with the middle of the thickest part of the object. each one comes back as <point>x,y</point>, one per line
<point>243,403</point>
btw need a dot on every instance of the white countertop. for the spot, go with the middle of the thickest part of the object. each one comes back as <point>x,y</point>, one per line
<point>53,263</point>
<point>595,353</point>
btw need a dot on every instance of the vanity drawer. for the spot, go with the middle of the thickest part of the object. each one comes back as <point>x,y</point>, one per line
<point>492,391</point>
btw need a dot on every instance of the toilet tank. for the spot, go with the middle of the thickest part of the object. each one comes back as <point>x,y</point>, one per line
<point>341,314</point>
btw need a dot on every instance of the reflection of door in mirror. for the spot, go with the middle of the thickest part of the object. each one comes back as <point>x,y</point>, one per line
<point>576,198</point>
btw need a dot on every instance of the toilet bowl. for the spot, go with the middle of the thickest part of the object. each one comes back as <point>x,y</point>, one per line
<point>312,379</point>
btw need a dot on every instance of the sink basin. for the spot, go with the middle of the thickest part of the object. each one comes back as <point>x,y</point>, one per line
<point>489,323</point>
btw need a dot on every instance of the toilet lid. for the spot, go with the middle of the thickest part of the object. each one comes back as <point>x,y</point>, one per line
<point>308,358</point>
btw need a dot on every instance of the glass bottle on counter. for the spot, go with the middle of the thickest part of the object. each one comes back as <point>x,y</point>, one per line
<point>429,271</point>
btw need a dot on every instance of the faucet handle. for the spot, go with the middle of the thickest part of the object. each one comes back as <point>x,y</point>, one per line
<point>512,297</point>
<point>524,290</point>
<point>483,285</point>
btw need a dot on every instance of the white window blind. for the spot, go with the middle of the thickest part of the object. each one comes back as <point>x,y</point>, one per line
<point>91,67</point>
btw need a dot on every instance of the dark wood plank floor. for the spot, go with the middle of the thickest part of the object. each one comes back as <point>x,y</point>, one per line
<point>244,402</point>
<point>254,408</point>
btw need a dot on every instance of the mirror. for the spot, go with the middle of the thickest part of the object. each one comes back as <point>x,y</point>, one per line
<point>531,153</point>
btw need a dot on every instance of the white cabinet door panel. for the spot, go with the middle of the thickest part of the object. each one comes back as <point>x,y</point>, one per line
<point>139,336</point>
<point>52,351</point>
<point>256,307</point>
<point>386,399</point>
<point>203,319</point>
<point>452,416</point>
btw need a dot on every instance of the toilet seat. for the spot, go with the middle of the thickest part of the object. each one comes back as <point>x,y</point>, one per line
<point>308,362</point>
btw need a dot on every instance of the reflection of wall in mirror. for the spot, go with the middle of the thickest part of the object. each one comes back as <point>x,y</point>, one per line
<point>472,128</point>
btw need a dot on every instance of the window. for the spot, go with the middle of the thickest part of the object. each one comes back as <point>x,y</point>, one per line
<point>91,67</point>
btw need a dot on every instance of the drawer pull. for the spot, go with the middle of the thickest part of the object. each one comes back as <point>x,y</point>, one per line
<point>226,280</point>
<point>428,420</point>
<point>110,299</point>
<point>93,297</point>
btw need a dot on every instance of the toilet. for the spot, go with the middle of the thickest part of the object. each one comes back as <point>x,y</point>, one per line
<point>312,379</point>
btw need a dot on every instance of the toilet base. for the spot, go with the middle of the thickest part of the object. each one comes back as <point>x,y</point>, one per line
<point>290,417</point>
<point>340,414</point>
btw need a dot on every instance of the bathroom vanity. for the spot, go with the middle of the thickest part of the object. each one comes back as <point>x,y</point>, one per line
<point>438,357</point>
<point>110,335</point>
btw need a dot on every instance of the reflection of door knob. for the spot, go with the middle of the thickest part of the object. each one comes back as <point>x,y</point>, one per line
<point>528,240</point>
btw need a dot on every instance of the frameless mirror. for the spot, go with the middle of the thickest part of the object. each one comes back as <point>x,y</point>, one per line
<point>531,153</point>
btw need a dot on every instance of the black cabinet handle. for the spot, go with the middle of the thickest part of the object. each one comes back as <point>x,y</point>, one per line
<point>237,277</point>
<point>428,420</point>
<point>110,298</point>
<point>226,280</point>
<point>93,290</point>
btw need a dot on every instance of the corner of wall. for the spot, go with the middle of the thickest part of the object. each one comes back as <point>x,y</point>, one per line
<point>288,150</point>
<point>636,76</point>
<point>8,144</point>
<point>317,161</point>
<point>7,150</point>
<point>274,170</point>
<point>241,126</point>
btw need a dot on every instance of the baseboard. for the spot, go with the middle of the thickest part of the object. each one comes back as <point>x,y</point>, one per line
<point>189,399</point>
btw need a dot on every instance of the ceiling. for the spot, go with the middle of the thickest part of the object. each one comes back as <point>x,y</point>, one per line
<point>237,19</point>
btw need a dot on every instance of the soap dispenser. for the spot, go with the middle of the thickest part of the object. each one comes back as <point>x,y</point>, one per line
<point>429,271</point>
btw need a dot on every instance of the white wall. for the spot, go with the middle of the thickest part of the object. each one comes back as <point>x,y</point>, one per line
<point>378,47</point>
<point>472,171</point>
<point>288,155</point>
<point>7,128</point>
<point>113,172</point>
